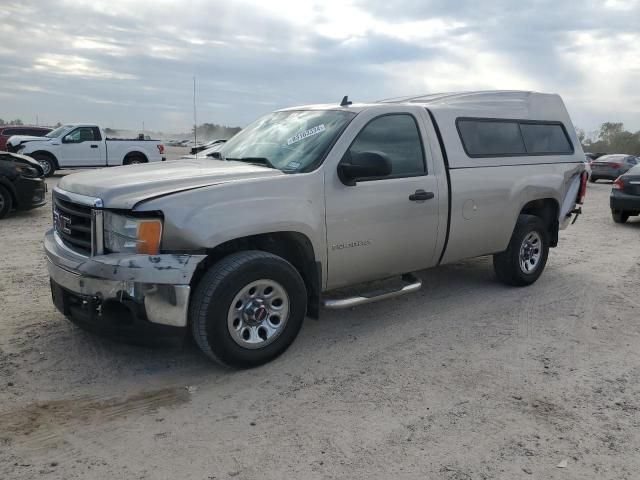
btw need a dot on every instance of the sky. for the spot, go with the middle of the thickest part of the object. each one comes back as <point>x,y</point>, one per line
<point>125,63</point>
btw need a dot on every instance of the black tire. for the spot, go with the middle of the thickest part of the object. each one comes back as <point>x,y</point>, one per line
<point>47,163</point>
<point>507,264</point>
<point>134,160</point>
<point>593,179</point>
<point>6,202</point>
<point>212,299</point>
<point>619,216</point>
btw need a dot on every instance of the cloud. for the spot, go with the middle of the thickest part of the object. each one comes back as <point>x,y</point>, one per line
<point>123,62</point>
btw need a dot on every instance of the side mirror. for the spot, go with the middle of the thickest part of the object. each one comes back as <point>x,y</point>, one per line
<point>363,165</point>
<point>67,139</point>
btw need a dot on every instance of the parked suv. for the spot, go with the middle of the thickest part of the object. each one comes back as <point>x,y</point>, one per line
<point>307,200</point>
<point>7,131</point>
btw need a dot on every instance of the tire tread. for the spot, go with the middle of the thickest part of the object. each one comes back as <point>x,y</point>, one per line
<point>206,289</point>
<point>505,263</point>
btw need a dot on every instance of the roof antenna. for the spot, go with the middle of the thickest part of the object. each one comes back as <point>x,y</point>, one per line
<point>345,101</point>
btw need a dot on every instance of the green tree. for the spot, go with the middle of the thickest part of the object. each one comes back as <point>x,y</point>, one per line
<point>613,138</point>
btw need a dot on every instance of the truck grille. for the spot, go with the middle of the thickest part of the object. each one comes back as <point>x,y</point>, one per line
<point>72,222</point>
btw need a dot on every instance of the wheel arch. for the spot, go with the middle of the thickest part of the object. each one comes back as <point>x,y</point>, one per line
<point>134,153</point>
<point>47,154</point>
<point>548,210</point>
<point>295,247</point>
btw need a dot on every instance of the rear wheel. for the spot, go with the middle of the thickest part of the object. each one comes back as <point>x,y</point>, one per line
<point>593,179</point>
<point>526,256</point>
<point>248,309</point>
<point>6,202</point>
<point>134,160</point>
<point>47,163</point>
<point>619,216</point>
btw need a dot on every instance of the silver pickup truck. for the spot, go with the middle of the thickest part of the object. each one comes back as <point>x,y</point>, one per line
<point>305,201</point>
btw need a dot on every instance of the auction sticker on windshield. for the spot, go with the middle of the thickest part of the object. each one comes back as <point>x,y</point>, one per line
<point>306,134</point>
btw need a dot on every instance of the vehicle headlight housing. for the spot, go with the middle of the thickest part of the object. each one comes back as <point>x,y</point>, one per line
<point>127,234</point>
<point>27,171</point>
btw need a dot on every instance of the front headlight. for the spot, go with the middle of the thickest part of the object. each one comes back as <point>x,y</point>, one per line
<point>27,171</point>
<point>124,234</point>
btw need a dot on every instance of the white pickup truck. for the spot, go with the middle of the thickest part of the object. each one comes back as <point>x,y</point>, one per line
<point>82,145</point>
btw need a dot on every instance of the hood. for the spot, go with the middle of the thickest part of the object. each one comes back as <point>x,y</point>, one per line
<point>18,139</point>
<point>125,187</point>
<point>16,158</point>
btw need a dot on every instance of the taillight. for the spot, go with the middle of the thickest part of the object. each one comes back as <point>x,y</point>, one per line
<point>618,184</point>
<point>160,148</point>
<point>615,165</point>
<point>583,187</point>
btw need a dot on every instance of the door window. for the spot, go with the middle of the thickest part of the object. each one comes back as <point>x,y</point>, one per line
<point>82,134</point>
<point>398,138</point>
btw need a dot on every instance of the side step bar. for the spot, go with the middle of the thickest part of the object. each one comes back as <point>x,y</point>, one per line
<point>412,284</point>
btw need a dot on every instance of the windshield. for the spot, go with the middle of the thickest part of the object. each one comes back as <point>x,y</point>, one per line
<point>293,141</point>
<point>58,132</point>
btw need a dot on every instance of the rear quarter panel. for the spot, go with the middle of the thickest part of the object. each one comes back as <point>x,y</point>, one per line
<point>498,195</point>
<point>117,150</point>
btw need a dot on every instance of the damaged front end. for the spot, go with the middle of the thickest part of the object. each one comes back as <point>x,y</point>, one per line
<point>125,294</point>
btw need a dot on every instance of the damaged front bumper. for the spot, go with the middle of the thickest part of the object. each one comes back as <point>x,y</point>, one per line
<point>118,292</point>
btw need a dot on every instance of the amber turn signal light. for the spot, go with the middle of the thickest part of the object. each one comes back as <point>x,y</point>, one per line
<point>149,234</point>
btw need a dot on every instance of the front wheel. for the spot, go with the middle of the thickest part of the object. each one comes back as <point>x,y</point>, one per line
<point>248,309</point>
<point>47,163</point>
<point>526,256</point>
<point>619,216</point>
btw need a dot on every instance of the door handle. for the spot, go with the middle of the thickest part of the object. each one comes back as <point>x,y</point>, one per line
<point>94,146</point>
<point>421,195</point>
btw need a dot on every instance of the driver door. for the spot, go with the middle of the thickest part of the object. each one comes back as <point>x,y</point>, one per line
<point>379,227</point>
<point>82,147</point>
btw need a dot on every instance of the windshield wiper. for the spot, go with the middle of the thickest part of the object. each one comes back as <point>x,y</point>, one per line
<point>262,161</point>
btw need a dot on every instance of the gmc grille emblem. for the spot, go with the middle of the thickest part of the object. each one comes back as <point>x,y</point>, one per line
<point>61,223</point>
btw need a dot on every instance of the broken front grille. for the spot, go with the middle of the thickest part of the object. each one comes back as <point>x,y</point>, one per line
<point>73,223</point>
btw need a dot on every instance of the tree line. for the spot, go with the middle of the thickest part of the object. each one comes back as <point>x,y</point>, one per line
<point>610,138</point>
<point>17,121</point>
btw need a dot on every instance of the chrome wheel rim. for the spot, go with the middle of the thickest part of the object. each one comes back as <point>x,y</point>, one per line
<point>46,167</point>
<point>258,314</point>
<point>530,252</point>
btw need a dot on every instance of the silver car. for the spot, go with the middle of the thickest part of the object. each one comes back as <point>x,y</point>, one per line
<point>610,167</point>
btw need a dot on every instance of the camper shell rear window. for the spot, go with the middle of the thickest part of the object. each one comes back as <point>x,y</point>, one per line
<point>492,137</point>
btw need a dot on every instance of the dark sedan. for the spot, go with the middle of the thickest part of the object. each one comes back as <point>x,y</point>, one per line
<point>22,185</point>
<point>625,196</point>
<point>610,167</point>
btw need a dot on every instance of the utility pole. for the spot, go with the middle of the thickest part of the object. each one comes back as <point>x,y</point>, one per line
<point>195,122</point>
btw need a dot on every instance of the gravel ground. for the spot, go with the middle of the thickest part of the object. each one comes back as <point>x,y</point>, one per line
<point>466,379</point>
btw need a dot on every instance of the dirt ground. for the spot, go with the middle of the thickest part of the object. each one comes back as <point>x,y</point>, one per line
<point>466,379</point>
